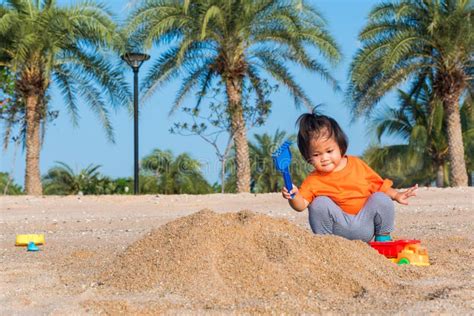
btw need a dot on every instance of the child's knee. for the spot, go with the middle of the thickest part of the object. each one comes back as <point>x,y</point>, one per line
<point>320,204</point>
<point>320,210</point>
<point>383,201</point>
<point>319,213</point>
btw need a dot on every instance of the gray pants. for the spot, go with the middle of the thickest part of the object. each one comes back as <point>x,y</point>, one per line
<point>375,218</point>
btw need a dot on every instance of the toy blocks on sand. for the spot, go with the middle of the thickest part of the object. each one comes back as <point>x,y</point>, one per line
<point>24,240</point>
<point>403,251</point>
<point>282,160</point>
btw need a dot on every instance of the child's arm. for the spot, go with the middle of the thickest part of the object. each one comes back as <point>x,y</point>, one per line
<point>298,203</point>
<point>402,197</point>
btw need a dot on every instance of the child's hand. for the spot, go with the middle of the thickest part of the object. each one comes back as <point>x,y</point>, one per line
<point>402,197</point>
<point>286,194</point>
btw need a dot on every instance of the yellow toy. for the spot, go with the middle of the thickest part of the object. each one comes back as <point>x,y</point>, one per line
<point>24,240</point>
<point>413,254</point>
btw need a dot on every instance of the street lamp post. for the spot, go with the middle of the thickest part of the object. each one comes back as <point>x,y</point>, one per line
<point>135,60</point>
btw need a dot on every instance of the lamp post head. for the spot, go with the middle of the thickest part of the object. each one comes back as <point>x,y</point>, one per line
<point>135,60</point>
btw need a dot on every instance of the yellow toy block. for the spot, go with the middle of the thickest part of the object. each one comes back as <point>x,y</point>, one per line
<point>24,240</point>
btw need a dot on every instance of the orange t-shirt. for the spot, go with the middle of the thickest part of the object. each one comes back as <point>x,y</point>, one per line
<point>349,188</point>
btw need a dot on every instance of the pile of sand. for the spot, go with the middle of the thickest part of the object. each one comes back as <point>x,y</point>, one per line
<point>246,259</point>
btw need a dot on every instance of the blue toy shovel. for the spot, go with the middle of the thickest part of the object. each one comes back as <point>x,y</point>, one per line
<point>282,160</point>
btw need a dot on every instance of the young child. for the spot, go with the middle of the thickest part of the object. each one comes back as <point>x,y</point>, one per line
<point>344,196</point>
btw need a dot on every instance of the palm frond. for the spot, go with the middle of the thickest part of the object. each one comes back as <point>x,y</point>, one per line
<point>163,70</point>
<point>279,71</point>
<point>68,89</point>
<point>200,77</point>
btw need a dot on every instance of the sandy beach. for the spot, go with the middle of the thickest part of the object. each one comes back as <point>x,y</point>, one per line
<point>152,254</point>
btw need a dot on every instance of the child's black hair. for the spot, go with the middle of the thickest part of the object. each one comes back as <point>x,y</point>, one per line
<point>312,125</point>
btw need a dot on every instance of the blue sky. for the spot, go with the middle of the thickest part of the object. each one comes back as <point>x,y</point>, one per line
<point>88,144</point>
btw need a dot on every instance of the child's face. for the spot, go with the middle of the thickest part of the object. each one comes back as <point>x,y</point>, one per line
<point>325,154</point>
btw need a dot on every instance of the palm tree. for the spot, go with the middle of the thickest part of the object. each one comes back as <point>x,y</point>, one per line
<point>419,121</point>
<point>235,41</point>
<point>425,153</point>
<point>42,44</point>
<point>411,40</point>
<point>62,180</point>
<point>7,186</point>
<point>175,175</point>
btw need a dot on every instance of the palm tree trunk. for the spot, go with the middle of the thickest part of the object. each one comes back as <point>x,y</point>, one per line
<point>234,95</point>
<point>33,146</point>
<point>440,176</point>
<point>458,174</point>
